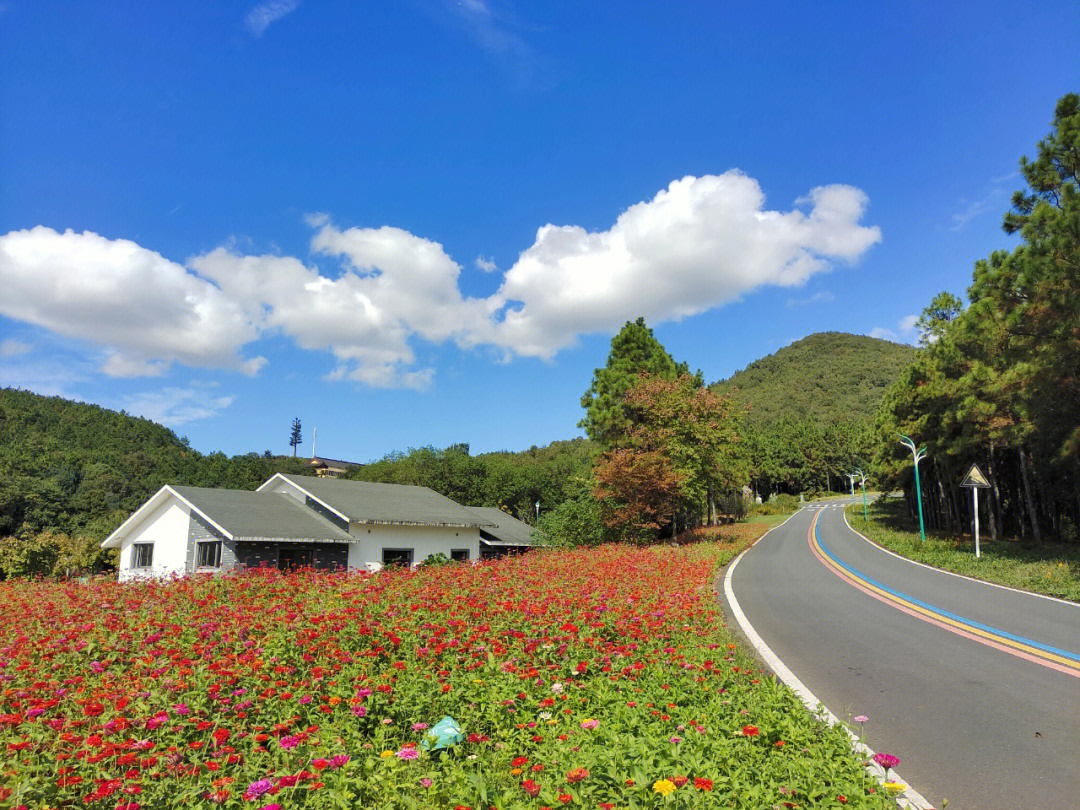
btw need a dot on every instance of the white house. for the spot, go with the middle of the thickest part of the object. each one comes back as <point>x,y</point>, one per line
<point>292,521</point>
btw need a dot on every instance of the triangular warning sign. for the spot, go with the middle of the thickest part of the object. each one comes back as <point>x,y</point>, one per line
<point>975,478</point>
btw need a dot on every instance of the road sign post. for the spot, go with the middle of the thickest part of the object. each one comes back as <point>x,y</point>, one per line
<point>975,480</point>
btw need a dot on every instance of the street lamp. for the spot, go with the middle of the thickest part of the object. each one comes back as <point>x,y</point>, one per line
<point>917,455</point>
<point>851,478</point>
<point>862,483</point>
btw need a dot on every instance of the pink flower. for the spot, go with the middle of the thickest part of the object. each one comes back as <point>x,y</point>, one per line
<point>590,724</point>
<point>289,742</point>
<point>338,760</point>
<point>408,753</point>
<point>886,761</point>
<point>419,726</point>
<point>425,782</point>
<point>257,789</point>
<point>860,718</point>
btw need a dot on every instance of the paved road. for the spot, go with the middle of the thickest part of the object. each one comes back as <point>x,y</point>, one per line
<point>976,688</point>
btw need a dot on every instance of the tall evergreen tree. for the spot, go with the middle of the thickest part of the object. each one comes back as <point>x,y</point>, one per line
<point>634,351</point>
<point>294,436</point>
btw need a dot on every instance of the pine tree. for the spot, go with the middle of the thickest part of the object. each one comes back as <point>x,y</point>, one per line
<point>294,437</point>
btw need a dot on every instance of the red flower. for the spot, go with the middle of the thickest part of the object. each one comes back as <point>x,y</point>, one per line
<point>702,784</point>
<point>576,775</point>
<point>842,799</point>
<point>750,731</point>
<point>530,787</point>
<point>565,798</point>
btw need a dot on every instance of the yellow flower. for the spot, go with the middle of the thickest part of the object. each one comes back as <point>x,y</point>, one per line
<point>664,787</point>
<point>386,754</point>
<point>895,787</point>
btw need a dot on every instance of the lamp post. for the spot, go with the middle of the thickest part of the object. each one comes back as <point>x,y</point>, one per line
<point>862,483</point>
<point>851,478</point>
<point>918,455</point>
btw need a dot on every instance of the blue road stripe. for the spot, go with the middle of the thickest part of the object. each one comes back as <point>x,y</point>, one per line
<point>969,622</point>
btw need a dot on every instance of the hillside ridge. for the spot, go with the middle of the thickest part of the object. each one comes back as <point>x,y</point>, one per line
<point>828,376</point>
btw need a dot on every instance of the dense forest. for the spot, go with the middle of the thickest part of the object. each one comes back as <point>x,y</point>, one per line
<point>999,381</point>
<point>810,407</point>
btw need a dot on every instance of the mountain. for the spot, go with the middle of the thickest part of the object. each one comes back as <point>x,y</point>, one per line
<point>828,376</point>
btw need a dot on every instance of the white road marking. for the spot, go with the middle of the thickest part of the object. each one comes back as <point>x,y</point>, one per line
<point>909,798</point>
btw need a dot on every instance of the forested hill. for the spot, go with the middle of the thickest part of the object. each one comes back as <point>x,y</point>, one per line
<point>829,377</point>
<point>77,468</point>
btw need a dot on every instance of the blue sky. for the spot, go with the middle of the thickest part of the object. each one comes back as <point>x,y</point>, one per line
<point>420,223</point>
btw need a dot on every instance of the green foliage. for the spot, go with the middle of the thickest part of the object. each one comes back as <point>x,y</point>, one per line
<point>634,351</point>
<point>828,378</point>
<point>574,522</point>
<point>435,559</point>
<point>79,470</point>
<point>50,554</point>
<point>512,481</point>
<point>998,383</point>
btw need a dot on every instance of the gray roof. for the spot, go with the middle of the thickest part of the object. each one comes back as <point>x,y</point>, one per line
<point>369,502</point>
<point>261,515</point>
<point>508,531</point>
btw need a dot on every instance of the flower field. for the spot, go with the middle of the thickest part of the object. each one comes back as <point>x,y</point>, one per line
<point>597,678</point>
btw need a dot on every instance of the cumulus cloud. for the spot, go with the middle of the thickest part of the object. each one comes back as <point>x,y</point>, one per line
<point>261,16</point>
<point>146,310</point>
<point>486,265</point>
<point>882,333</point>
<point>176,406</point>
<point>908,323</point>
<point>905,328</point>
<point>698,244</point>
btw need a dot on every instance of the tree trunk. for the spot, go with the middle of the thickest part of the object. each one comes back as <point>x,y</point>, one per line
<point>1028,498</point>
<point>993,508</point>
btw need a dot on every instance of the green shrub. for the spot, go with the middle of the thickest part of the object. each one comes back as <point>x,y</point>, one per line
<point>575,522</point>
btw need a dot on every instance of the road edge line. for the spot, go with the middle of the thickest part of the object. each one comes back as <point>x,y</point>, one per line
<point>1057,599</point>
<point>909,798</point>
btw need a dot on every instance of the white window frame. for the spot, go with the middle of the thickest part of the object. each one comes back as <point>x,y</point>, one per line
<point>412,556</point>
<point>198,548</point>
<point>136,548</point>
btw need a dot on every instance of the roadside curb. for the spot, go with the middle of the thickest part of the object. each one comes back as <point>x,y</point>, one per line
<point>889,551</point>
<point>909,798</point>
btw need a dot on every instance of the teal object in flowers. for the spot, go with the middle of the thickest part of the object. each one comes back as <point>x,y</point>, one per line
<point>443,734</point>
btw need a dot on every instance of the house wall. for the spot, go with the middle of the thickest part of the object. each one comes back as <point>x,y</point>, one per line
<point>423,540</point>
<point>167,528</point>
<point>198,531</point>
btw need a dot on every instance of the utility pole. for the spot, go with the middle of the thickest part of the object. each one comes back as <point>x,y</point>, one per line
<point>917,455</point>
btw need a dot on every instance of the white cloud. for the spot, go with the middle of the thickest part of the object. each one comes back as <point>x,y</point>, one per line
<point>697,245</point>
<point>816,298</point>
<point>146,310</point>
<point>486,265</point>
<point>13,348</point>
<point>882,333</point>
<point>700,243</point>
<point>908,323</point>
<point>906,328</point>
<point>176,406</point>
<point>261,16</point>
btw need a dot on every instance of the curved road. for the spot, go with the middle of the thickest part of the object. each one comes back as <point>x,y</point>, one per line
<point>976,688</point>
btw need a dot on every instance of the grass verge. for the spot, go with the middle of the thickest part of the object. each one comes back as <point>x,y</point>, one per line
<point>1047,568</point>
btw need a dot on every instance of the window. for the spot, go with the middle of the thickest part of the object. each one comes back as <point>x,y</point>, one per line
<point>459,554</point>
<point>142,555</point>
<point>397,556</point>
<point>208,554</point>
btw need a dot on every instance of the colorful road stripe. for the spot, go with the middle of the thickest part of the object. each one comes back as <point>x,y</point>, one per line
<point>1042,654</point>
